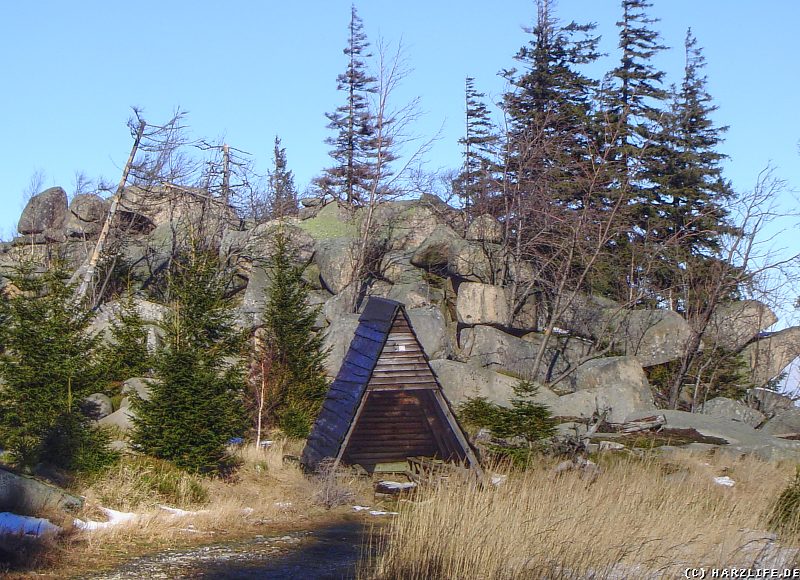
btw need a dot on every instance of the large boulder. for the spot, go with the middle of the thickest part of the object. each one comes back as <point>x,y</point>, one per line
<point>45,214</point>
<point>461,381</point>
<point>395,266</point>
<point>768,401</point>
<point>431,329</point>
<point>336,259</point>
<point>87,215</point>
<point>403,224</point>
<point>143,208</point>
<point>137,386</point>
<point>586,314</point>
<point>435,251</point>
<point>485,228</point>
<point>254,299</point>
<point>97,405</point>
<point>491,348</point>
<point>332,220</point>
<point>653,336</point>
<point>257,244</point>
<point>341,304</point>
<point>153,316</point>
<point>783,422</point>
<point>726,408</point>
<point>23,492</point>
<point>740,438</point>
<point>121,419</point>
<point>616,385</point>
<point>478,303</point>
<point>415,295</point>
<point>769,356</point>
<point>475,262</point>
<point>337,341</point>
<point>734,324</point>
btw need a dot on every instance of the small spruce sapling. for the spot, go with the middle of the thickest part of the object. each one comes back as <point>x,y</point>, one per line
<point>290,359</point>
<point>49,364</point>
<point>525,419</point>
<point>196,405</point>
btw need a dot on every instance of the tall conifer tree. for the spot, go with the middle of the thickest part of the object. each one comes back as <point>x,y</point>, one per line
<point>633,103</point>
<point>549,106</point>
<point>289,372</point>
<point>475,184</point>
<point>281,183</point>
<point>353,144</point>
<point>691,192</point>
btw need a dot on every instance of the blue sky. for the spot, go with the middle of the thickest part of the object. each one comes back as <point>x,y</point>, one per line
<point>247,70</point>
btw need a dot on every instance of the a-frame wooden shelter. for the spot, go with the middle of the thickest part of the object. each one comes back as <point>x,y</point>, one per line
<point>385,404</point>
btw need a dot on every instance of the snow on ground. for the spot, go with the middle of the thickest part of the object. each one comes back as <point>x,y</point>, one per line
<point>114,519</point>
<point>396,485</point>
<point>372,512</point>
<point>177,512</point>
<point>724,480</point>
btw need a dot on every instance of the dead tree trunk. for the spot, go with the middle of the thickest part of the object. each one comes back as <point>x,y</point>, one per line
<point>86,273</point>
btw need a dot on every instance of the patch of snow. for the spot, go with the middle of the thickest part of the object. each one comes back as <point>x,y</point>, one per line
<point>177,512</point>
<point>360,508</point>
<point>382,513</point>
<point>498,479</point>
<point>26,525</point>
<point>114,519</point>
<point>396,485</point>
<point>283,504</point>
<point>724,480</point>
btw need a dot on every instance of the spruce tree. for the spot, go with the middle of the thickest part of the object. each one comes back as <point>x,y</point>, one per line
<point>195,406</point>
<point>353,143</point>
<point>48,365</point>
<point>691,190</point>
<point>281,184</point>
<point>295,353</point>
<point>549,107</point>
<point>475,184</point>
<point>634,101</point>
<point>126,354</point>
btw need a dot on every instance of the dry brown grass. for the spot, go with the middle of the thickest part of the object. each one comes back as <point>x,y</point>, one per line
<point>266,494</point>
<point>640,518</point>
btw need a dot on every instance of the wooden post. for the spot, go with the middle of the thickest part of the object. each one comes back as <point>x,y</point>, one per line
<point>91,264</point>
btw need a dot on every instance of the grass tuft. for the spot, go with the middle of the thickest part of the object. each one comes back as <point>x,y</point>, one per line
<point>638,519</point>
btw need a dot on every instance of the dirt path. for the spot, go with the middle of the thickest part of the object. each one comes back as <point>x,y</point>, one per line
<point>330,552</point>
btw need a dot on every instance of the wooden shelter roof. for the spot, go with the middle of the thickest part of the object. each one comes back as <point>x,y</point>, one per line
<point>385,403</point>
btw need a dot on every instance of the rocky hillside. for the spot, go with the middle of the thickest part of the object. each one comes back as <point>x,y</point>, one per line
<point>481,337</point>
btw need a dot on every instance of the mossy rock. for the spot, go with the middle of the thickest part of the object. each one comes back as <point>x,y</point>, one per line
<point>332,221</point>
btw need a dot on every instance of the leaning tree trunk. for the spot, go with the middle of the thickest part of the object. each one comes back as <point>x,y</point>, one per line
<point>91,265</point>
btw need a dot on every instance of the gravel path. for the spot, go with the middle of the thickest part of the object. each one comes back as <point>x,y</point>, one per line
<point>325,553</point>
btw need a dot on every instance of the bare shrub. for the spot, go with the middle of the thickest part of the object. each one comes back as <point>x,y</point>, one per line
<point>335,484</point>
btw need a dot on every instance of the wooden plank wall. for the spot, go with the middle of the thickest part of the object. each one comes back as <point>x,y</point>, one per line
<point>401,417</point>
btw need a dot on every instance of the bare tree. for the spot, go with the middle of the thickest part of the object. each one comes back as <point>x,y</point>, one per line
<point>746,265</point>
<point>388,181</point>
<point>35,184</point>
